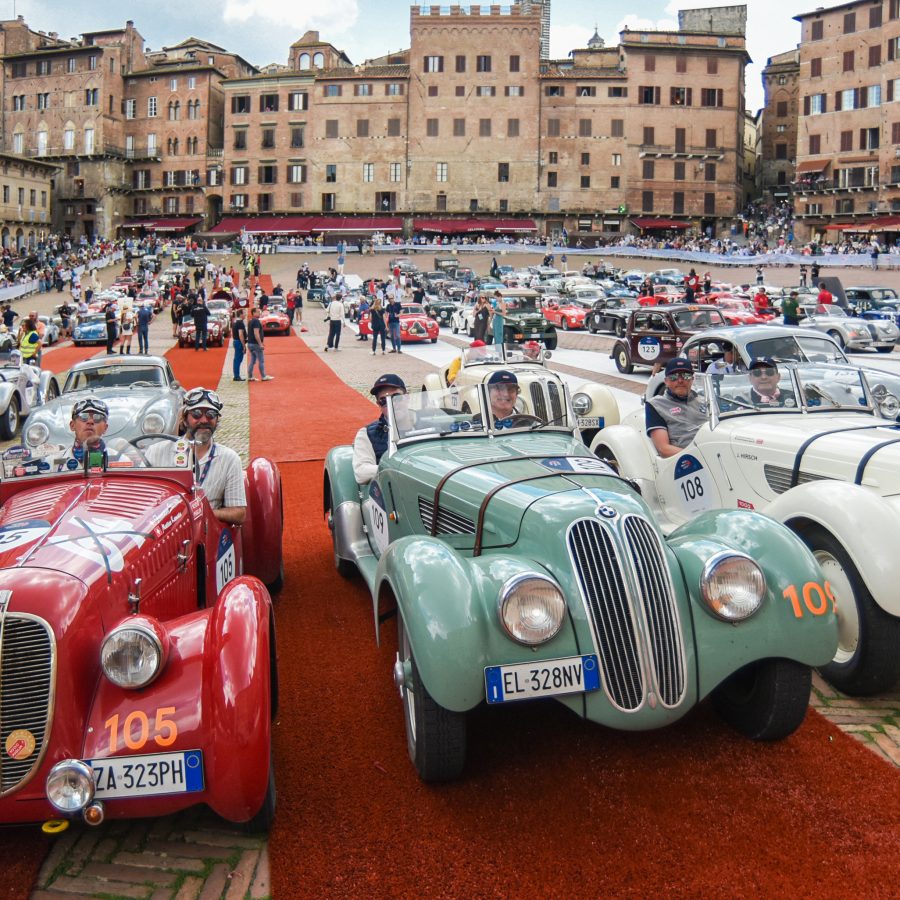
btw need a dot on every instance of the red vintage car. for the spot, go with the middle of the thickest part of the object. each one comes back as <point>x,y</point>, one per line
<point>415,324</point>
<point>568,314</point>
<point>737,311</point>
<point>274,321</point>
<point>137,642</point>
<point>187,332</point>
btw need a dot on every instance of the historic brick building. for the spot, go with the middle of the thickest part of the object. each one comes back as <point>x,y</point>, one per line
<point>25,191</point>
<point>848,140</point>
<point>778,146</point>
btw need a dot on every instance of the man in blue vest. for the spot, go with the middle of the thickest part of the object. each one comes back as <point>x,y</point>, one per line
<point>372,440</point>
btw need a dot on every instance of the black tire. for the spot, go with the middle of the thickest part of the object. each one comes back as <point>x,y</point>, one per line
<point>265,816</point>
<point>453,328</point>
<point>591,329</point>
<point>345,568</point>
<point>550,341</point>
<point>435,737</point>
<point>565,324</point>
<point>868,656</point>
<point>275,587</point>
<point>620,328</point>
<point>434,340</point>
<point>623,360</point>
<point>884,349</point>
<point>470,331</point>
<point>52,391</point>
<point>9,422</point>
<point>766,700</point>
<point>836,336</point>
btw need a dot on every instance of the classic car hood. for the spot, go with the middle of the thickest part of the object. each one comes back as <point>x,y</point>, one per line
<point>126,406</point>
<point>85,529</point>
<point>834,446</point>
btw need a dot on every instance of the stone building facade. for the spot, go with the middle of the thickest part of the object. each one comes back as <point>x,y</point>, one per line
<point>778,147</point>
<point>25,198</point>
<point>848,140</point>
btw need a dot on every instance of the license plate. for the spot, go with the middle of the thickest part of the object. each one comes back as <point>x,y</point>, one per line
<point>589,421</point>
<point>140,776</point>
<point>549,677</point>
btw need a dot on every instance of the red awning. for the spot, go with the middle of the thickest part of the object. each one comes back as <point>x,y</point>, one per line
<point>645,224</point>
<point>885,223</point>
<point>812,165</point>
<point>840,226</point>
<point>163,224</point>
<point>306,225</point>
<point>470,226</point>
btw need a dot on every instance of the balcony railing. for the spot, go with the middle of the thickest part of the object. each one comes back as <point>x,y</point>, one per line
<point>106,150</point>
<point>831,186</point>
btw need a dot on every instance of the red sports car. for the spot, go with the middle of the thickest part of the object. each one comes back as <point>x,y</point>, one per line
<point>568,314</point>
<point>274,321</point>
<point>187,332</point>
<point>415,324</point>
<point>737,311</point>
<point>136,639</point>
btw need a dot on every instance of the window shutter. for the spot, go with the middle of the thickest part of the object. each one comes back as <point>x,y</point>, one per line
<point>690,97</point>
<point>824,103</point>
<point>806,106</point>
<point>890,89</point>
<point>656,95</point>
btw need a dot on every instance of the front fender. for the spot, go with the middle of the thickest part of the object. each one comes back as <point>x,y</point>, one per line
<point>262,528</point>
<point>631,451</point>
<point>340,483</point>
<point>48,379</point>
<point>862,521</point>
<point>775,631</point>
<point>7,389</point>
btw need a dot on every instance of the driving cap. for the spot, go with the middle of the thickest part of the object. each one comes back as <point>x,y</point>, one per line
<point>763,361</point>
<point>678,364</point>
<point>504,376</point>
<point>90,404</point>
<point>386,381</point>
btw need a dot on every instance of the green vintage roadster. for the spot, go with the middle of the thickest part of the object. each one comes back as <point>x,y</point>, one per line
<point>519,566</point>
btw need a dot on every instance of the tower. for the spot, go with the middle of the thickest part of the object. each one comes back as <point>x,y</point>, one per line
<point>527,6</point>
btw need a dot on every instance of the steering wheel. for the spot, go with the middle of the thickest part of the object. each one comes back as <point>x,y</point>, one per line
<point>144,438</point>
<point>520,419</point>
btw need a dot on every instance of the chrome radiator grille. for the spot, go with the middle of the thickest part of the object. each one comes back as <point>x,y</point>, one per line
<point>546,406</point>
<point>617,619</point>
<point>26,689</point>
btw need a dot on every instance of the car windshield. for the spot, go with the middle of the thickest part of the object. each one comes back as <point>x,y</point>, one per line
<point>521,304</point>
<point>765,389</point>
<point>93,320</point>
<point>799,348</point>
<point>824,388</point>
<point>883,294</point>
<point>697,318</point>
<point>831,309</point>
<point>218,306</point>
<point>413,309</point>
<point>187,319</point>
<point>113,376</point>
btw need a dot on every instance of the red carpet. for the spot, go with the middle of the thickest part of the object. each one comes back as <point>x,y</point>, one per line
<point>61,359</point>
<point>549,805</point>
<point>194,368</point>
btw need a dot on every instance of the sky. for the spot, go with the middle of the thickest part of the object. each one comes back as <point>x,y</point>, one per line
<point>262,30</point>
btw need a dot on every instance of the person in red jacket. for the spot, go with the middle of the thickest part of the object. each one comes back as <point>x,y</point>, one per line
<point>761,301</point>
<point>825,297</point>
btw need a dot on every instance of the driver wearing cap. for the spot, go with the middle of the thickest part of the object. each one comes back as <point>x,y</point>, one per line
<point>89,422</point>
<point>674,417</point>
<point>371,440</point>
<point>221,474</point>
<point>764,384</point>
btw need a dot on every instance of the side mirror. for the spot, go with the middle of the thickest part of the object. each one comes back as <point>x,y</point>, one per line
<point>176,385</point>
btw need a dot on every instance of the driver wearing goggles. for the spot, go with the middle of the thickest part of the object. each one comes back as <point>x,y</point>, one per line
<point>90,419</point>
<point>221,474</point>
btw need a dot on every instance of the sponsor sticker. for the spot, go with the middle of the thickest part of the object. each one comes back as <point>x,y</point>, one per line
<point>20,744</point>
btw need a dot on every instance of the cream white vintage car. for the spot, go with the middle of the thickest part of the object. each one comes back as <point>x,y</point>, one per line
<point>822,461</point>
<point>542,390</point>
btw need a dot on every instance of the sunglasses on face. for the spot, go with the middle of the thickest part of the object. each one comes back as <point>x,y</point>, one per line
<point>763,372</point>
<point>680,376</point>
<point>197,414</point>
<point>90,417</point>
<point>383,399</point>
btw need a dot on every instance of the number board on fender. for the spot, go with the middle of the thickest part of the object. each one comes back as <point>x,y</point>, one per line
<point>696,491</point>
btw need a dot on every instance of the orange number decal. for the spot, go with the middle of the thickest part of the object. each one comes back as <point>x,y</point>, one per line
<point>815,598</point>
<point>136,730</point>
<point>166,729</point>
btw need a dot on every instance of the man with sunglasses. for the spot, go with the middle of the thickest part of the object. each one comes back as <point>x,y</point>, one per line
<point>674,417</point>
<point>90,419</point>
<point>221,475</point>
<point>764,389</point>
<point>371,440</point>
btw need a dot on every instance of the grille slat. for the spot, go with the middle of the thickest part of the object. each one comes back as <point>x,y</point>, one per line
<point>26,686</point>
<point>603,585</point>
<point>616,616</point>
<point>538,402</point>
<point>779,478</point>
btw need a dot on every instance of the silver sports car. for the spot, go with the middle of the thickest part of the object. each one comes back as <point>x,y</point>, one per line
<point>141,392</point>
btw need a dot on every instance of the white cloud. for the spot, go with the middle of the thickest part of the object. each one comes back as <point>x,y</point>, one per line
<point>565,38</point>
<point>636,23</point>
<point>293,15</point>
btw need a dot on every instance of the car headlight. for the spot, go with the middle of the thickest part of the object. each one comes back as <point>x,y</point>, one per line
<point>581,403</point>
<point>132,654</point>
<point>889,406</point>
<point>153,423</point>
<point>732,586</point>
<point>532,609</point>
<point>70,785</point>
<point>36,434</point>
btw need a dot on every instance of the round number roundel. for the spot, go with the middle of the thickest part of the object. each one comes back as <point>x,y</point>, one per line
<point>649,348</point>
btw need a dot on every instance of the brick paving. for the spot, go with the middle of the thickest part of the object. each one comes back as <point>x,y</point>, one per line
<point>194,855</point>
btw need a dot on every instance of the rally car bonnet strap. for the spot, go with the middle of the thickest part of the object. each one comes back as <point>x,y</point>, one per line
<point>474,465</point>
<point>795,472</point>
<point>861,468</point>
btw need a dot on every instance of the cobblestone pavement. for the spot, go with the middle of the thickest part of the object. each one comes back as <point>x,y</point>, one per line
<point>195,855</point>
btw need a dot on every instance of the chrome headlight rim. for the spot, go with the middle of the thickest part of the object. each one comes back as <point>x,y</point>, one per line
<point>36,434</point>
<point>709,570</point>
<point>141,629</point>
<point>889,406</point>
<point>507,594</point>
<point>60,777</point>
<point>153,423</point>
<point>582,403</point>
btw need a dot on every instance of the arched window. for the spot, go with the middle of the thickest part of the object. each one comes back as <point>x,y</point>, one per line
<point>89,140</point>
<point>319,60</point>
<point>69,136</point>
<point>304,60</point>
<point>176,109</point>
<point>175,147</point>
<point>19,142</point>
